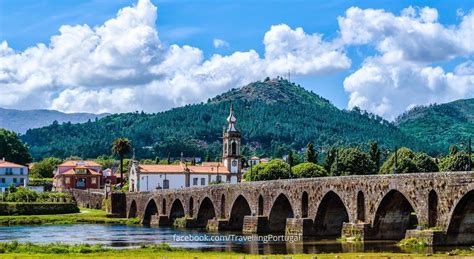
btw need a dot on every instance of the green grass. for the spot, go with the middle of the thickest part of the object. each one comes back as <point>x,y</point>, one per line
<point>29,250</point>
<point>84,216</point>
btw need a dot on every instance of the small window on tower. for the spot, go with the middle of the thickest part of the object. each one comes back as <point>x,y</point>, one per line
<point>234,148</point>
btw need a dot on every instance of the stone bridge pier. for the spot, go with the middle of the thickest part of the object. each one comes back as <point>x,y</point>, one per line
<point>435,206</point>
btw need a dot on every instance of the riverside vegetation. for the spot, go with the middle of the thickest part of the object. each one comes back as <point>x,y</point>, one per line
<point>16,250</point>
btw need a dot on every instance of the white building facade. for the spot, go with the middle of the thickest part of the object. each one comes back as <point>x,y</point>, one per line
<point>146,178</point>
<point>11,173</point>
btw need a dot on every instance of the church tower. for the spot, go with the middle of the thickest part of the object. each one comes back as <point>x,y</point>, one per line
<point>231,146</point>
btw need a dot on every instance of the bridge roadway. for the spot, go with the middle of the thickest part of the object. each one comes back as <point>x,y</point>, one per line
<point>435,206</point>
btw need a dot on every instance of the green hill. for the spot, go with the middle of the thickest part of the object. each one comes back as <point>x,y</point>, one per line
<point>273,116</point>
<point>440,125</point>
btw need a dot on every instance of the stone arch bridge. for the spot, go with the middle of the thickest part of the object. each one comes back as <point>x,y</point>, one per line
<point>437,206</point>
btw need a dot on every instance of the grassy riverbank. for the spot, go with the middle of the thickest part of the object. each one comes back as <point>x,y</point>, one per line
<point>84,216</point>
<point>28,250</point>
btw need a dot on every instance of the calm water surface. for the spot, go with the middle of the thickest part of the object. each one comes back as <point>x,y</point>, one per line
<point>135,236</point>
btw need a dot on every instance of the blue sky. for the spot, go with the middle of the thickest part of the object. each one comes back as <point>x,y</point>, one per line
<point>242,24</point>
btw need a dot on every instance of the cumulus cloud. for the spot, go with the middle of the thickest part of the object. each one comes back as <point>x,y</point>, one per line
<point>218,43</point>
<point>405,70</point>
<point>123,66</point>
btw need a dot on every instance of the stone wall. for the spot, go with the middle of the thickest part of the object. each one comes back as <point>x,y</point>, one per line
<point>92,199</point>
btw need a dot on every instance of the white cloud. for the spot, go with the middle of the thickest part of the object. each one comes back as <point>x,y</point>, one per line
<point>218,43</point>
<point>123,66</point>
<point>405,70</point>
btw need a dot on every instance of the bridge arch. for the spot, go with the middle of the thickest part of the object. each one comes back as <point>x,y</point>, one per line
<point>151,209</point>
<point>395,214</point>
<point>432,209</point>
<point>360,206</point>
<point>240,208</point>
<point>206,212</point>
<point>280,211</point>
<point>222,206</point>
<point>260,205</point>
<point>191,207</point>
<point>132,212</point>
<point>304,204</point>
<point>163,207</point>
<point>461,223</point>
<point>176,211</point>
<point>330,216</point>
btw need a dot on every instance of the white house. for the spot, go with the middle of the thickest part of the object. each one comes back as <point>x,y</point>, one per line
<point>145,178</point>
<point>11,173</point>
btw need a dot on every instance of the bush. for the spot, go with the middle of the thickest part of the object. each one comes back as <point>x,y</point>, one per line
<point>45,168</point>
<point>457,162</point>
<point>308,170</point>
<point>273,170</point>
<point>353,161</point>
<point>409,162</point>
<point>22,194</point>
<point>43,208</point>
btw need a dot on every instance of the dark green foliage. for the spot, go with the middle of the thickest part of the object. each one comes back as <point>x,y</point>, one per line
<point>440,125</point>
<point>45,168</point>
<point>291,158</point>
<point>21,194</point>
<point>12,148</point>
<point>330,159</point>
<point>352,161</point>
<point>453,150</point>
<point>308,170</point>
<point>374,153</point>
<point>273,170</point>
<point>274,117</point>
<point>37,208</point>
<point>121,147</point>
<point>310,155</point>
<point>408,162</point>
<point>457,162</point>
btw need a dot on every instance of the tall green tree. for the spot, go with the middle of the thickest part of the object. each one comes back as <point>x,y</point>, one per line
<point>353,161</point>
<point>330,159</point>
<point>121,147</point>
<point>457,162</point>
<point>309,170</point>
<point>12,148</point>
<point>45,168</point>
<point>310,155</point>
<point>374,153</point>
<point>409,162</point>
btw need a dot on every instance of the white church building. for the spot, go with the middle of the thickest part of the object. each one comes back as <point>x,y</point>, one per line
<point>146,178</point>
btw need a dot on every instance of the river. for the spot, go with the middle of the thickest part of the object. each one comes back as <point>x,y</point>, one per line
<point>120,236</point>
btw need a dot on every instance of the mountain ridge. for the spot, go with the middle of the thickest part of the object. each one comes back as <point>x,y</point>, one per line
<point>275,116</point>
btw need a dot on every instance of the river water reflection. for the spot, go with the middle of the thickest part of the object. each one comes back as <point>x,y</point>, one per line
<point>134,236</point>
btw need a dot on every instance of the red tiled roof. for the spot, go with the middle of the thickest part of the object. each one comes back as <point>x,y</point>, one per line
<point>181,168</point>
<point>9,164</point>
<point>88,163</point>
<point>72,172</point>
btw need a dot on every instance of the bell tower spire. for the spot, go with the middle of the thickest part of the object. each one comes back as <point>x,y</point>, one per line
<point>231,146</point>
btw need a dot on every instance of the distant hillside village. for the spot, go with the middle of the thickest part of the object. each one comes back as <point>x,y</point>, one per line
<point>185,172</point>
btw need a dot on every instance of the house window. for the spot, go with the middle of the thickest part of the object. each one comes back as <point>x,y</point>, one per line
<point>218,179</point>
<point>166,184</point>
<point>68,180</point>
<point>14,180</point>
<point>21,171</point>
<point>195,181</point>
<point>94,180</point>
<point>203,181</point>
<point>8,171</point>
<point>3,180</point>
<point>22,180</point>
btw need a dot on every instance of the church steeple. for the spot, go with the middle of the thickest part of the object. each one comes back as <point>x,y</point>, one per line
<point>231,146</point>
<point>231,120</point>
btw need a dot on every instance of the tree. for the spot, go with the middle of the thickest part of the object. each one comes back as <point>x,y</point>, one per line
<point>291,159</point>
<point>456,162</point>
<point>310,155</point>
<point>425,163</point>
<point>121,147</point>
<point>157,160</point>
<point>409,162</point>
<point>330,159</point>
<point>12,148</point>
<point>308,170</point>
<point>453,150</point>
<point>273,170</point>
<point>374,154</point>
<point>353,161</point>
<point>45,168</point>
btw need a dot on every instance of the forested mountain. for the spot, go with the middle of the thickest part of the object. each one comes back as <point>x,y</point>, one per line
<point>20,121</point>
<point>274,116</point>
<point>441,125</point>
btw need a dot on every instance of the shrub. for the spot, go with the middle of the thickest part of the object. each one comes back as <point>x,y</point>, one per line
<point>308,170</point>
